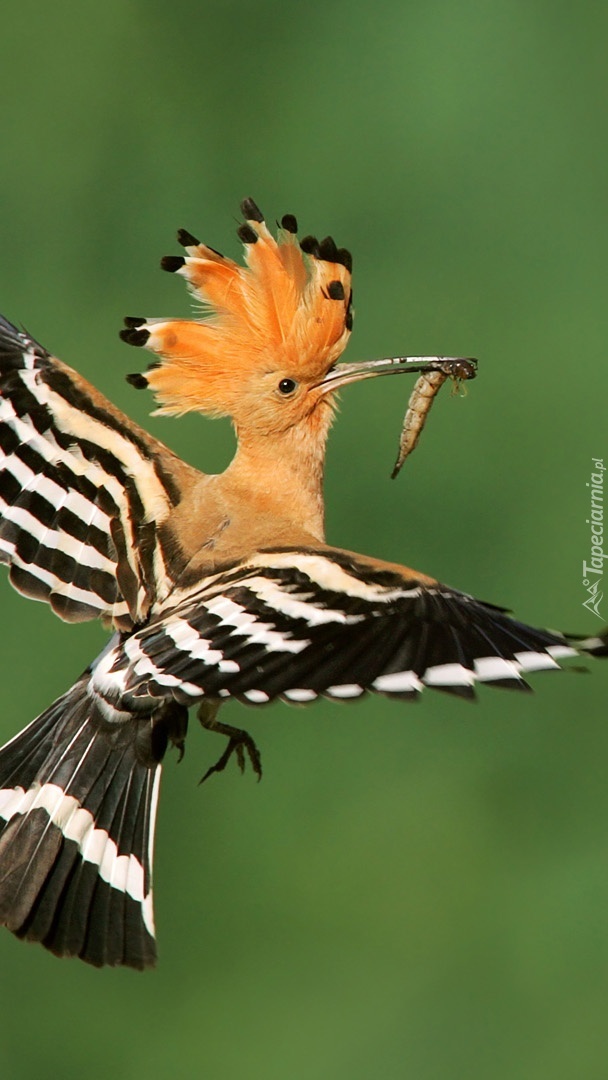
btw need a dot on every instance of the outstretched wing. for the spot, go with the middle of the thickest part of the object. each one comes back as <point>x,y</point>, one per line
<point>299,624</point>
<point>83,492</point>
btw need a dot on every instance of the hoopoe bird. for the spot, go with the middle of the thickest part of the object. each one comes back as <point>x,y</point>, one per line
<point>215,586</point>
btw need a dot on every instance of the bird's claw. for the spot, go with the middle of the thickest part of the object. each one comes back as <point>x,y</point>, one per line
<point>239,742</point>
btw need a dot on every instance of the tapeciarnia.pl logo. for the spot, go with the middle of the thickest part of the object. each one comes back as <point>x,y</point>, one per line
<point>593,570</point>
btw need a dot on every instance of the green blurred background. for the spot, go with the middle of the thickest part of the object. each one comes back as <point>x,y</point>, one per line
<point>411,892</point>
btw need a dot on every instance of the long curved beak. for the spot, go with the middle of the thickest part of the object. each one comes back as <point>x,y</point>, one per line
<point>460,367</point>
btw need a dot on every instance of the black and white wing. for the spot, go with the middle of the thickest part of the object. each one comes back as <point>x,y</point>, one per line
<point>83,492</point>
<point>297,624</point>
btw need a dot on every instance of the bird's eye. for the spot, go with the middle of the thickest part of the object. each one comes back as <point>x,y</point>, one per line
<point>287,386</point>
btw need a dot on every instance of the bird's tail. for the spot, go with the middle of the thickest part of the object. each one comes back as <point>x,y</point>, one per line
<point>77,809</point>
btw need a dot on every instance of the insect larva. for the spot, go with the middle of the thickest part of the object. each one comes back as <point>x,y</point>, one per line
<point>424,393</point>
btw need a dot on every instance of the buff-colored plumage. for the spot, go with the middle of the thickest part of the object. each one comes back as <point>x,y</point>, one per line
<point>286,313</point>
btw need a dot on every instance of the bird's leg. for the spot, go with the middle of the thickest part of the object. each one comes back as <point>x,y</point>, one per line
<point>176,718</point>
<point>239,741</point>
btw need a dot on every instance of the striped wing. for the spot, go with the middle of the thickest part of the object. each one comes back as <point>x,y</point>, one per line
<point>83,492</point>
<point>297,625</point>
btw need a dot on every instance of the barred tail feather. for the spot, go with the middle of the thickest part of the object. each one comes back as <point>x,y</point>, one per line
<point>77,810</point>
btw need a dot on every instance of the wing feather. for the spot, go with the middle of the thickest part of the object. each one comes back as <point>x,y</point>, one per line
<point>83,492</point>
<point>300,624</point>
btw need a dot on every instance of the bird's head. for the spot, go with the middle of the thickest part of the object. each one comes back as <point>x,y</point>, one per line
<point>270,333</point>
<point>266,346</point>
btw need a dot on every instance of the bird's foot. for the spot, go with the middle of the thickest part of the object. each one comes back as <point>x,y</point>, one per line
<point>240,743</point>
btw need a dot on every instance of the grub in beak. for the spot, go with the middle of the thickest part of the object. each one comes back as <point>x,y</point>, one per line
<point>339,375</point>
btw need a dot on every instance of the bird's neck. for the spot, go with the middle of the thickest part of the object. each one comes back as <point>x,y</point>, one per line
<point>282,475</point>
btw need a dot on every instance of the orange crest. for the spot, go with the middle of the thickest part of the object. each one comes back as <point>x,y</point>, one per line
<point>286,312</point>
